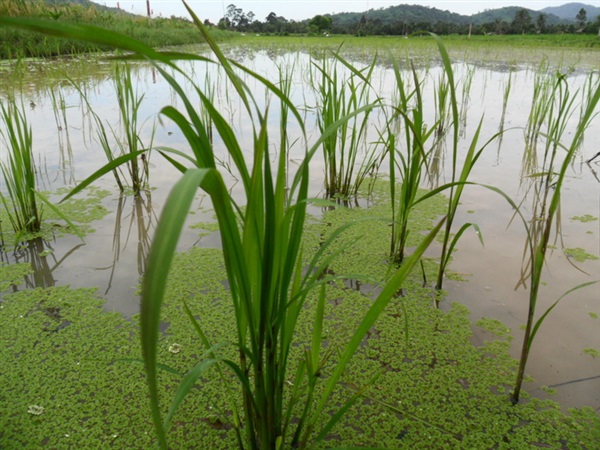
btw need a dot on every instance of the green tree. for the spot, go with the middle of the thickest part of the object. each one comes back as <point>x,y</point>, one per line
<point>540,23</point>
<point>321,23</point>
<point>522,22</point>
<point>581,18</point>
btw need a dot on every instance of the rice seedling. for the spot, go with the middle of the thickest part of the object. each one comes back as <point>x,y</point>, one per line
<point>129,106</point>
<point>440,98</point>
<point>505,96</point>
<point>458,181</point>
<point>125,139</point>
<point>338,96</point>
<point>19,171</point>
<point>262,248</point>
<point>415,159</point>
<point>540,105</point>
<point>406,163</point>
<point>545,219</point>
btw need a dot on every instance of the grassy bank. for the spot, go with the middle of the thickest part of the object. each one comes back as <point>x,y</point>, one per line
<point>156,32</point>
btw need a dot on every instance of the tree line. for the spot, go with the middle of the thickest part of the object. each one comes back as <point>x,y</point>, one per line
<point>236,19</point>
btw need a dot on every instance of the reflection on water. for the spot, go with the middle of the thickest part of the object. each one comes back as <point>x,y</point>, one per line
<point>113,257</point>
<point>132,223</point>
<point>41,255</point>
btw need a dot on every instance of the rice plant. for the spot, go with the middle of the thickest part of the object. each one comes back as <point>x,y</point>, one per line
<point>458,180</point>
<point>549,180</point>
<point>262,248</point>
<point>505,96</point>
<point>338,96</point>
<point>124,139</point>
<point>540,105</point>
<point>440,97</point>
<point>129,107</point>
<point>415,160</point>
<point>406,163</point>
<point>18,171</point>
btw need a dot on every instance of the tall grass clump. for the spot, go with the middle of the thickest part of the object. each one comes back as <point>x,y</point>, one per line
<point>339,94</point>
<point>276,405</point>
<point>18,171</point>
<point>549,179</point>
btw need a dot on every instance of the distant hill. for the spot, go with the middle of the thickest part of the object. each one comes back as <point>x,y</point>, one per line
<point>401,14</point>
<point>570,10</point>
<point>507,14</point>
<point>415,14</point>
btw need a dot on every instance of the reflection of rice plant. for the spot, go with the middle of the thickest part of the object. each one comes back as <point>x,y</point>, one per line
<point>467,83</point>
<point>59,108</point>
<point>141,219</point>
<point>19,170</point>
<point>338,96</point>
<point>549,181</point>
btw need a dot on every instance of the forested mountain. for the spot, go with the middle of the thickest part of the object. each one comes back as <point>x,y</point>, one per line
<point>507,14</point>
<point>401,14</point>
<point>570,11</point>
<point>404,19</point>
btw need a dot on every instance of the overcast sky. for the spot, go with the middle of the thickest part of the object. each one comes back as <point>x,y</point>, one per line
<point>304,9</point>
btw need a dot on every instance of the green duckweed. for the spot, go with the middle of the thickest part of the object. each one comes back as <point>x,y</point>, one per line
<point>72,376</point>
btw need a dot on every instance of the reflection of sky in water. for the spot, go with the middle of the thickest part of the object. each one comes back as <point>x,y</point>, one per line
<point>113,264</point>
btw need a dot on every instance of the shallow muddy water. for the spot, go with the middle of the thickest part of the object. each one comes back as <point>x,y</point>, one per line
<point>112,258</point>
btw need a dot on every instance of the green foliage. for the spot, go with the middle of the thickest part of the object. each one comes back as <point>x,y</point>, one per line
<point>579,254</point>
<point>12,275</point>
<point>548,182</point>
<point>437,391</point>
<point>321,23</point>
<point>19,171</point>
<point>407,162</point>
<point>156,32</point>
<point>339,95</point>
<point>262,251</point>
<point>585,218</point>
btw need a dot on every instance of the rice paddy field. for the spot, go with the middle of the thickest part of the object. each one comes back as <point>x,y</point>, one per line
<point>388,122</point>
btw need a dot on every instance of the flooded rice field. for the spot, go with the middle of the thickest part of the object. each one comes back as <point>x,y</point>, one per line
<point>65,107</point>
